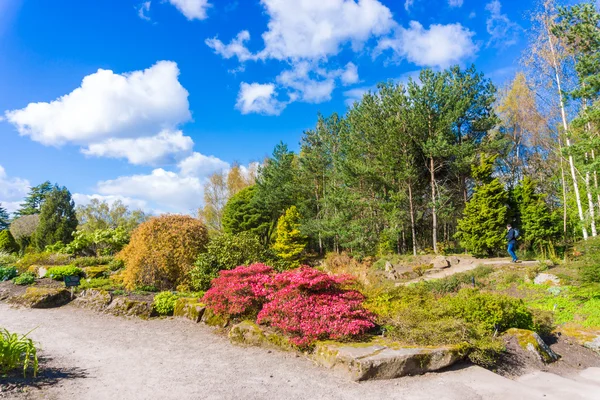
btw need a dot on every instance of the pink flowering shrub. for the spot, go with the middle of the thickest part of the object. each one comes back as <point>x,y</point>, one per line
<point>310,305</point>
<point>241,291</point>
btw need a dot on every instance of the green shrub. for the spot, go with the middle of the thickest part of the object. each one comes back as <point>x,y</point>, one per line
<point>147,289</point>
<point>7,273</point>
<point>116,264</point>
<point>7,242</point>
<point>91,261</point>
<point>99,283</point>
<point>17,351</point>
<point>7,259</point>
<point>164,303</point>
<point>454,283</point>
<point>24,279</point>
<point>42,259</point>
<point>59,273</point>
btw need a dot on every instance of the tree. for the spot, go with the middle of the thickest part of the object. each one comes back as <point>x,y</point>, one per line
<point>481,231</point>
<point>215,199</point>
<point>289,241</point>
<point>99,215</point>
<point>23,229</point>
<point>4,218</point>
<point>243,214</point>
<point>7,242</point>
<point>35,199</point>
<point>58,220</point>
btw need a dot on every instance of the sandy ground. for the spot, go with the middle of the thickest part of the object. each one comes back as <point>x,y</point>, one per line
<point>96,356</point>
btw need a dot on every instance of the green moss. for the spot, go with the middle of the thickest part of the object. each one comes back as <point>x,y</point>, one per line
<point>528,339</point>
<point>36,297</point>
<point>212,319</point>
<point>96,272</point>
<point>190,308</point>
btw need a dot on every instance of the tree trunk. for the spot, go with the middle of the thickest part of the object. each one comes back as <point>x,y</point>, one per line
<point>433,207</point>
<point>566,128</point>
<point>412,219</point>
<point>590,204</point>
<point>564,190</point>
<point>596,180</point>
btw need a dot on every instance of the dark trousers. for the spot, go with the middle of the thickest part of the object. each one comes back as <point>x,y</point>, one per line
<point>511,250</point>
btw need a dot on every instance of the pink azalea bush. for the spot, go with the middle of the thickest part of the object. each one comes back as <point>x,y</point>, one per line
<point>241,291</point>
<point>310,305</point>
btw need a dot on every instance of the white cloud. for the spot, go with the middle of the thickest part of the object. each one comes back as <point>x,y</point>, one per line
<point>84,199</point>
<point>408,4</point>
<point>192,9</point>
<point>356,94</point>
<point>455,3</point>
<point>199,165</point>
<point>235,48</point>
<point>165,148</point>
<point>108,105</point>
<point>259,98</point>
<point>143,9</point>
<point>305,88</point>
<point>12,191</point>
<point>503,32</point>
<point>438,46</point>
<point>350,75</point>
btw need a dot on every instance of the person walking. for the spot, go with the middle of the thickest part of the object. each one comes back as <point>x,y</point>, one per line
<point>511,237</point>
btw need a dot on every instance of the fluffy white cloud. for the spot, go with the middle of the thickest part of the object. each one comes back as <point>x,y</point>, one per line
<point>259,98</point>
<point>199,165</point>
<point>349,76</point>
<point>108,105</point>
<point>143,9</point>
<point>503,32</point>
<point>438,46</point>
<point>12,190</point>
<point>455,3</point>
<point>356,94</point>
<point>84,199</point>
<point>165,148</point>
<point>303,86</point>
<point>235,48</point>
<point>192,9</point>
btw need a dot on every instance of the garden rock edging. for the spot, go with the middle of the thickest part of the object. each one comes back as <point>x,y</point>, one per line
<point>93,299</point>
<point>39,297</point>
<point>190,308</point>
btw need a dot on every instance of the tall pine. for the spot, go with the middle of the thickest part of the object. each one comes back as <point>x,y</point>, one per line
<point>58,220</point>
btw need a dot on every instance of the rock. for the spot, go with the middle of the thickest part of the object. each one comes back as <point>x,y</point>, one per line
<point>93,299</point>
<point>388,266</point>
<point>533,343</point>
<point>370,361</point>
<point>35,297</point>
<point>122,306</point>
<point>250,334</point>
<point>190,308</point>
<point>440,262</point>
<point>101,271</point>
<point>544,278</point>
<point>41,272</point>
<point>593,344</point>
<point>212,319</point>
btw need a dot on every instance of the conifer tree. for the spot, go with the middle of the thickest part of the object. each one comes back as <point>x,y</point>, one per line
<point>34,200</point>
<point>58,220</point>
<point>4,218</point>
<point>289,241</point>
<point>481,231</point>
<point>7,242</point>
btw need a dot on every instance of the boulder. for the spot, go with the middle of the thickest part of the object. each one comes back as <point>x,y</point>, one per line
<point>250,334</point>
<point>389,267</point>
<point>35,297</point>
<point>190,308</point>
<point>101,271</point>
<point>93,299</point>
<point>544,278</point>
<point>370,361</point>
<point>593,344</point>
<point>122,306</point>
<point>532,342</point>
<point>440,262</point>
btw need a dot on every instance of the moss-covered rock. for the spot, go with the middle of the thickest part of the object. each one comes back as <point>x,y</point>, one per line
<point>100,271</point>
<point>35,297</point>
<point>190,308</point>
<point>250,334</point>
<point>212,319</point>
<point>122,306</point>
<point>587,337</point>
<point>532,342</point>
<point>93,299</point>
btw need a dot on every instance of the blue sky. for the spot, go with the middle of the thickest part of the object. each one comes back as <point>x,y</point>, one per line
<point>142,100</point>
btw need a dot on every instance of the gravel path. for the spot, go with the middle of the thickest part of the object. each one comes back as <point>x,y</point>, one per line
<point>97,356</point>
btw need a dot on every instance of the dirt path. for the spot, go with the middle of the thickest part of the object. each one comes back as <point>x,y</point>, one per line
<point>97,356</point>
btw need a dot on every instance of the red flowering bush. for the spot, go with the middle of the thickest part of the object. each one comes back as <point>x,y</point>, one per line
<point>310,305</point>
<point>241,291</point>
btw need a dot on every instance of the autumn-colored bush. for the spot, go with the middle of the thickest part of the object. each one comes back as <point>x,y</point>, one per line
<point>241,291</point>
<point>310,305</point>
<point>162,251</point>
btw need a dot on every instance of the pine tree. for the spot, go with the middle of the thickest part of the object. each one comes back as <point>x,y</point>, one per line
<point>481,231</point>
<point>34,200</point>
<point>289,241</point>
<point>4,218</point>
<point>243,214</point>
<point>7,242</point>
<point>58,220</point>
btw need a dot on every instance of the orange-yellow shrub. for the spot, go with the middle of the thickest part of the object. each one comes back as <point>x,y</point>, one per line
<point>162,251</point>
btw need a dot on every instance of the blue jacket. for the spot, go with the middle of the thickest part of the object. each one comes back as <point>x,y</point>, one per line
<point>511,236</point>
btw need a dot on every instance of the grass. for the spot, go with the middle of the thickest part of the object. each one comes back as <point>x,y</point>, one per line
<point>17,352</point>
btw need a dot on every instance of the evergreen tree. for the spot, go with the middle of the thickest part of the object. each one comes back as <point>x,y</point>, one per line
<point>242,214</point>
<point>289,241</point>
<point>4,218</point>
<point>34,200</point>
<point>58,220</point>
<point>481,231</point>
<point>7,242</point>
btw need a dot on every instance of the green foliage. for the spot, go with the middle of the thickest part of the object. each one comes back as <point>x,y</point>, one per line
<point>481,230</point>
<point>17,351</point>
<point>59,273</point>
<point>35,199</point>
<point>100,216</point>
<point>7,259</point>
<point>116,264</point>
<point>25,279</point>
<point>242,213</point>
<point>7,242</point>
<point>43,259</point>
<point>289,241</point>
<point>4,218</point>
<point>454,283</point>
<point>93,261</point>
<point>226,252</point>
<point>23,230</point>
<point>7,273</point>
<point>164,303</point>
<point>57,218</point>
<point>99,283</point>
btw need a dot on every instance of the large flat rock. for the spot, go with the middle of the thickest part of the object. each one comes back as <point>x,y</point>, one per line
<point>93,299</point>
<point>39,297</point>
<point>366,361</point>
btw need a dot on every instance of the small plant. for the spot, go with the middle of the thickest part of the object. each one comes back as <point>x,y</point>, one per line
<point>421,269</point>
<point>147,289</point>
<point>99,283</point>
<point>42,259</point>
<point>7,259</point>
<point>164,303</point>
<point>17,351</point>
<point>7,273</point>
<point>116,264</point>
<point>91,261</point>
<point>59,273</point>
<point>25,279</point>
